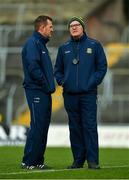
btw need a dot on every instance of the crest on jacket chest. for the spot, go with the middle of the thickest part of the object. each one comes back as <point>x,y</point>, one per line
<point>89,50</point>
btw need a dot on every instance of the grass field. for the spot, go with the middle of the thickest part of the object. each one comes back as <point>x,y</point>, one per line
<point>114,165</point>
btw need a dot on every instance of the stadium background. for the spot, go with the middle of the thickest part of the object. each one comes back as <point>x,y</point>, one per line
<point>107,21</point>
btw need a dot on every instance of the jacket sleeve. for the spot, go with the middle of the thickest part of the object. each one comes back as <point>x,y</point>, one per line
<point>59,68</point>
<point>100,67</point>
<point>101,64</point>
<point>33,60</point>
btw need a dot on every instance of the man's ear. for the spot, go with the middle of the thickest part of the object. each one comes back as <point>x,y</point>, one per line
<point>41,27</point>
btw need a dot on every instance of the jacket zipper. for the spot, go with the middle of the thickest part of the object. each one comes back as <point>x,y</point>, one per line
<point>77,76</point>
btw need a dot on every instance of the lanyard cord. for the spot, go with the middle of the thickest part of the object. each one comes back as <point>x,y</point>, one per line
<point>75,47</point>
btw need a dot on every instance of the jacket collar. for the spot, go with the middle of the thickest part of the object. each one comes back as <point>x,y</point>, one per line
<point>39,37</point>
<point>82,38</point>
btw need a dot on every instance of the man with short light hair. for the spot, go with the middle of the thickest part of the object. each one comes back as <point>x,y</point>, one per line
<point>38,84</point>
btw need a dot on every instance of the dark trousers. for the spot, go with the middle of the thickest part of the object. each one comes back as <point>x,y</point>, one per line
<point>81,111</point>
<point>40,111</point>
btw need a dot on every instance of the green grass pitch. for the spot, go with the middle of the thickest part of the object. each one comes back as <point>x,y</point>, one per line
<point>114,165</point>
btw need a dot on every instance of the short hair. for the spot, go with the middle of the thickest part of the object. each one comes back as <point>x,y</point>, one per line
<point>41,20</point>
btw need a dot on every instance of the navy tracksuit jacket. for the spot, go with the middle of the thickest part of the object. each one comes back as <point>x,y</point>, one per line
<point>38,84</point>
<point>80,67</point>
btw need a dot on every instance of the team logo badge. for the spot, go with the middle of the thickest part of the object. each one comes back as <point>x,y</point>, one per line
<point>89,50</point>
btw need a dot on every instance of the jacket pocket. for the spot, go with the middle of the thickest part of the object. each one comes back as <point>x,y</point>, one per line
<point>92,84</point>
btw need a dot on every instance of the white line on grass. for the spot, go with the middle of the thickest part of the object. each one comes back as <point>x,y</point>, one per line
<point>57,170</point>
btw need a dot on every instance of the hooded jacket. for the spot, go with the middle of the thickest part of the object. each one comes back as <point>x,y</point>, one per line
<point>88,72</point>
<point>37,66</point>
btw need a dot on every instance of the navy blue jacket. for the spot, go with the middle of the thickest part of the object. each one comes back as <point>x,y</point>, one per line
<point>88,73</point>
<point>37,66</point>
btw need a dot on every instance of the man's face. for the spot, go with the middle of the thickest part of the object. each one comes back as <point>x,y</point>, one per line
<point>76,29</point>
<point>46,30</point>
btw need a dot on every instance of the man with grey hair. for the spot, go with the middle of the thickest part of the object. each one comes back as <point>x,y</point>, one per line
<point>80,67</point>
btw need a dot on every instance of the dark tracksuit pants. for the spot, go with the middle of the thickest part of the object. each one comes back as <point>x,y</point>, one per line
<point>81,111</point>
<point>40,112</point>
